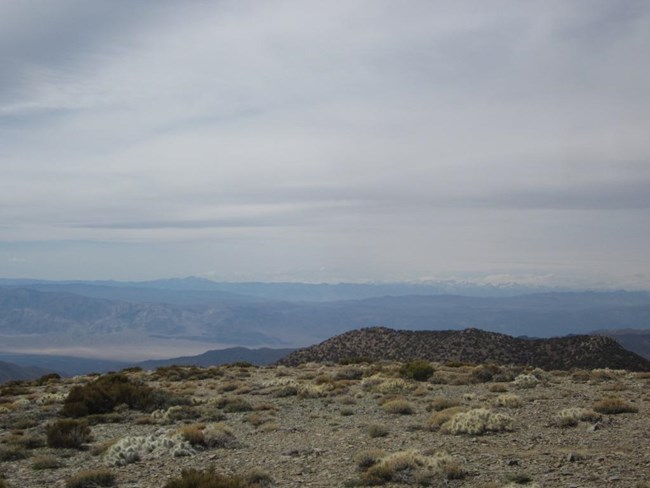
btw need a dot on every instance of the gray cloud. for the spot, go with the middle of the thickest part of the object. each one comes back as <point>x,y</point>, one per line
<point>328,130</point>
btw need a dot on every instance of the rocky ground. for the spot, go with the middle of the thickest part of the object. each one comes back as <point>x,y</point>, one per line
<point>348,425</point>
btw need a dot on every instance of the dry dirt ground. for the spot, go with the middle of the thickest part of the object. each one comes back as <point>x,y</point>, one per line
<point>314,425</point>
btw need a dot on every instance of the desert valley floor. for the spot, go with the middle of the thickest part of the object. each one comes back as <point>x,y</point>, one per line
<point>332,425</point>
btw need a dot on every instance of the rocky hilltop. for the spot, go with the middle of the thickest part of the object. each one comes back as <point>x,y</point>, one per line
<point>472,346</point>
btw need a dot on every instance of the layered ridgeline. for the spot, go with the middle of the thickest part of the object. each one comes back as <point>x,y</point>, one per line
<point>11,371</point>
<point>472,346</point>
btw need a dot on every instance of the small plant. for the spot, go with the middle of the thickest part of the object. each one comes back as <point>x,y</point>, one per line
<point>518,478</point>
<point>398,406</point>
<point>219,435</point>
<point>614,405</point>
<point>484,373</point>
<point>13,453</point>
<point>377,430</point>
<point>569,417</point>
<point>193,434</point>
<point>526,381</point>
<point>477,422</point>
<point>418,370</point>
<point>410,467</point>
<point>234,404</point>
<point>508,401</point>
<point>46,462</point>
<point>440,418</point>
<point>68,433</point>
<point>93,478</point>
<point>439,404</point>
<point>368,458</point>
<point>193,478</point>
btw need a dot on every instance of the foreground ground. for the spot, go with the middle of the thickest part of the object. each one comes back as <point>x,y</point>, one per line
<point>325,426</point>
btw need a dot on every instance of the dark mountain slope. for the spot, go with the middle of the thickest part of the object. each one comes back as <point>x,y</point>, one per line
<point>635,340</point>
<point>472,346</point>
<point>10,371</point>
<point>260,357</point>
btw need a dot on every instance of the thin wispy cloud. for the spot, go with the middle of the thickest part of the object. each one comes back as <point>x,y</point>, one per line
<point>368,139</point>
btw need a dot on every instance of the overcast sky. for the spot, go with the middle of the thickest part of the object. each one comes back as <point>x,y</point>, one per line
<point>324,141</point>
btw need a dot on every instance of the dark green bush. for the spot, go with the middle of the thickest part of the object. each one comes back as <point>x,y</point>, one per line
<point>418,370</point>
<point>109,391</point>
<point>48,378</point>
<point>484,373</point>
<point>68,433</point>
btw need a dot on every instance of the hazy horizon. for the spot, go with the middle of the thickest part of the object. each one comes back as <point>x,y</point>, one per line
<point>362,141</point>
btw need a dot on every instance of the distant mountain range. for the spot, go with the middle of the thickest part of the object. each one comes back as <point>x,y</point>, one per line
<point>11,371</point>
<point>180,317</point>
<point>259,357</point>
<point>472,346</point>
<point>200,290</point>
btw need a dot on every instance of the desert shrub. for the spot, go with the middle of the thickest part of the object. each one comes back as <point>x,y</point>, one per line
<point>392,385</point>
<point>508,401</point>
<point>441,403</point>
<point>46,462</point>
<point>418,370</point>
<point>569,417</point>
<point>614,405</point>
<point>440,418</point>
<point>478,421</point>
<point>377,430</point>
<point>349,374</point>
<point>398,406</point>
<point>13,453</point>
<point>484,373</point>
<point>13,388</point>
<point>219,435</point>
<point>93,478</point>
<point>109,391</point>
<point>193,434</point>
<point>31,441</point>
<point>256,418</point>
<point>47,378</point>
<point>370,457</point>
<point>193,478</point>
<point>68,433</point>
<point>178,412</point>
<point>237,405</point>
<point>526,381</point>
<point>517,479</point>
<point>132,369</point>
<point>159,444</point>
<point>285,391</point>
<point>411,467</point>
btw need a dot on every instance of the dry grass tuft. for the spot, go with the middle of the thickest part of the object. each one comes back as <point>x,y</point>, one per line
<point>614,405</point>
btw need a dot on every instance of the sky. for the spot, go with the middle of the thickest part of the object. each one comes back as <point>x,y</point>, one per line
<point>299,140</point>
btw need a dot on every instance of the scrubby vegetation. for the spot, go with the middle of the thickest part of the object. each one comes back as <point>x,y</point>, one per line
<point>614,405</point>
<point>329,425</point>
<point>91,479</point>
<point>194,478</point>
<point>109,391</point>
<point>417,370</point>
<point>68,433</point>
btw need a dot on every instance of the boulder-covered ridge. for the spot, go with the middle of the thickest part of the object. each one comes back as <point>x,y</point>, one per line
<point>471,346</point>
